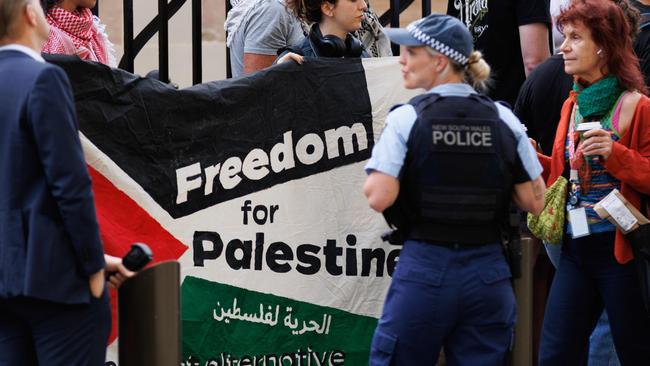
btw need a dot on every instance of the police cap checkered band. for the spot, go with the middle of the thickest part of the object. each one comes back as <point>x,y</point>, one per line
<point>442,33</point>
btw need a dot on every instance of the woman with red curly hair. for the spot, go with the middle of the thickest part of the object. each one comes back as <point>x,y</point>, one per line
<point>596,268</point>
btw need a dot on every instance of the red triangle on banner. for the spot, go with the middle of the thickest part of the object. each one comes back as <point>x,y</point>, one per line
<point>122,222</point>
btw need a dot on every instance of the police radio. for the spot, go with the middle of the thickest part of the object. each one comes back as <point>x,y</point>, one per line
<point>393,236</point>
<point>399,218</point>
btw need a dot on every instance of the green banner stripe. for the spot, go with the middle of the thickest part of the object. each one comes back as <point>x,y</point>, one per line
<point>221,321</point>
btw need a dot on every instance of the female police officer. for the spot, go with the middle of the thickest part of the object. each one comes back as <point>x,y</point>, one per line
<point>456,159</point>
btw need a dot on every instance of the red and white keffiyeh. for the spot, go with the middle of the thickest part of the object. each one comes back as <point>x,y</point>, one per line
<point>76,33</point>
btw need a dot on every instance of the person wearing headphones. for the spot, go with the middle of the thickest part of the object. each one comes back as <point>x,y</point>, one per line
<point>452,160</point>
<point>331,34</point>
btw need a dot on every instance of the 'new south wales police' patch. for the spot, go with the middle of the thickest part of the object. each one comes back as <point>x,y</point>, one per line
<point>464,136</point>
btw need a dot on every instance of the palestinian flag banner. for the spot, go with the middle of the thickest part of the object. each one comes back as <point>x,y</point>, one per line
<point>255,186</point>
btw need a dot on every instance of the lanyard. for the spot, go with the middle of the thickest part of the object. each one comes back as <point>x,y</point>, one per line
<point>573,137</point>
<point>574,191</point>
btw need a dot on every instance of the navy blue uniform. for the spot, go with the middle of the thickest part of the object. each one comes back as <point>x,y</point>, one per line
<point>457,155</point>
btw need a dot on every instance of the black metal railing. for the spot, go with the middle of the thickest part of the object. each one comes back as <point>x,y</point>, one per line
<point>163,41</point>
<point>392,17</point>
<point>160,25</point>
<point>228,68</point>
<point>167,9</point>
<point>197,47</point>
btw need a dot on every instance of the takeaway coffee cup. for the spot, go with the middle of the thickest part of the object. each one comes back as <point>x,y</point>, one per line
<point>586,126</point>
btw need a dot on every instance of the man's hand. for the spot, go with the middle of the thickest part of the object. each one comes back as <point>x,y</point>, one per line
<point>117,272</point>
<point>96,282</point>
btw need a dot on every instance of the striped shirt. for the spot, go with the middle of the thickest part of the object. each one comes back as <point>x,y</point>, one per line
<point>602,183</point>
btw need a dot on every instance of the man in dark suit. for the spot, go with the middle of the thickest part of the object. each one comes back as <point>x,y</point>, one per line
<point>53,305</point>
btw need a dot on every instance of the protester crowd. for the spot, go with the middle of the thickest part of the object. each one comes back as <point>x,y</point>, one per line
<point>585,110</point>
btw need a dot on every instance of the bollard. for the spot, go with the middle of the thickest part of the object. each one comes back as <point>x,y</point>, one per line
<point>522,352</point>
<point>149,317</point>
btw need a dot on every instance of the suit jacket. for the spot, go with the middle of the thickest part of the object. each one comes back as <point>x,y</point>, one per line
<point>49,237</point>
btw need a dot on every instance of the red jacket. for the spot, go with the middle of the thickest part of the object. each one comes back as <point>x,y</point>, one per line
<point>629,162</point>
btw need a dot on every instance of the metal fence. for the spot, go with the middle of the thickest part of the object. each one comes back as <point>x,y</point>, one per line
<point>167,9</point>
<point>160,25</point>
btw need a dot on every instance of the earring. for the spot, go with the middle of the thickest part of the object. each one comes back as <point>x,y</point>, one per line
<point>600,53</point>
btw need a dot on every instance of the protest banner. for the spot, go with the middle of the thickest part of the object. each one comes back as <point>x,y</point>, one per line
<point>255,186</point>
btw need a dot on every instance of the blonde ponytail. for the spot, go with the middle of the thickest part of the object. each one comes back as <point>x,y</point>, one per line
<point>477,71</point>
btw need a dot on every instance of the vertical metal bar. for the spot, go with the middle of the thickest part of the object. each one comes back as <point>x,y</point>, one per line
<point>426,8</point>
<point>197,50</point>
<point>394,22</point>
<point>394,14</point>
<point>228,68</point>
<point>128,35</point>
<point>163,41</point>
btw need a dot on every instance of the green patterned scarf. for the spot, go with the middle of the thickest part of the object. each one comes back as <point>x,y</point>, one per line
<point>598,98</point>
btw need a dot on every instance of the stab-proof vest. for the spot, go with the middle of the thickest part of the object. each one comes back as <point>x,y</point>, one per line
<point>457,177</point>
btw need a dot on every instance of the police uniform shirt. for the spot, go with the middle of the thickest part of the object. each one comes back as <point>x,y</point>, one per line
<point>390,151</point>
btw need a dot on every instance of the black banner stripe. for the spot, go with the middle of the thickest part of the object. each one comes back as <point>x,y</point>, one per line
<point>193,148</point>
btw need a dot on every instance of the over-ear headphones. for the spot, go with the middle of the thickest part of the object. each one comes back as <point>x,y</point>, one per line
<point>333,46</point>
